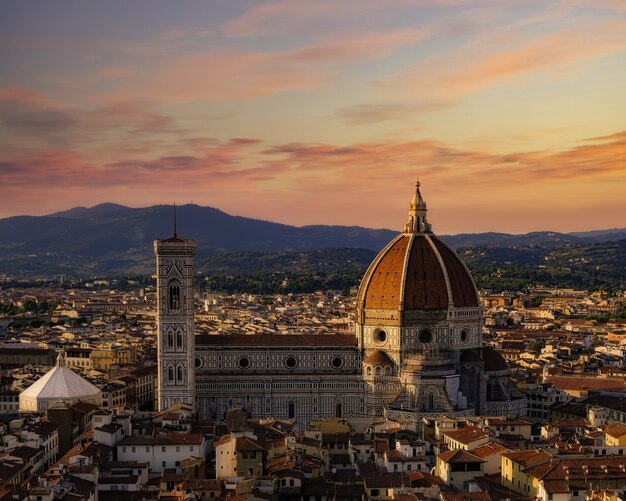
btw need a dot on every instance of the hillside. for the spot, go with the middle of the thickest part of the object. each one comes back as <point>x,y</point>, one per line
<point>111,239</point>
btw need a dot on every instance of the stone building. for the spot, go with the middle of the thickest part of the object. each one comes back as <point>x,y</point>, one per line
<point>417,350</point>
<point>59,387</point>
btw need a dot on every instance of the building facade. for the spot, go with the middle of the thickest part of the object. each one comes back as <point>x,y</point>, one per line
<point>175,261</point>
<point>417,350</point>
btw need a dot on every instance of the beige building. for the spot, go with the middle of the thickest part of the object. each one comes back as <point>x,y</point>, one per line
<point>103,358</point>
<point>238,455</point>
<point>458,468</point>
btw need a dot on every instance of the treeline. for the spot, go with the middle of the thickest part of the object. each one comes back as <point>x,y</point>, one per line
<point>28,306</point>
<point>281,283</point>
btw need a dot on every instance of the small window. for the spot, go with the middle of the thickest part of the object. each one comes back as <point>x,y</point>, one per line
<point>244,362</point>
<point>291,410</point>
<point>380,336</point>
<point>291,362</point>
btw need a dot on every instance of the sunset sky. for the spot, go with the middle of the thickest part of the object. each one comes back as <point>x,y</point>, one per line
<point>511,113</point>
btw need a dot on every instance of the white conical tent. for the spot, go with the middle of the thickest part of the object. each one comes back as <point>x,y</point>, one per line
<point>59,386</point>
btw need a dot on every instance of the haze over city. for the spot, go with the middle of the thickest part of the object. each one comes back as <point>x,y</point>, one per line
<point>511,113</point>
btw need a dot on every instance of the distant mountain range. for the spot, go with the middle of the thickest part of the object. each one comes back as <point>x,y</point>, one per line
<point>113,239</point>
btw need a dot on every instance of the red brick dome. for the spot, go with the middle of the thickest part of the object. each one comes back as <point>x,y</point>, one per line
<point>417,271</point>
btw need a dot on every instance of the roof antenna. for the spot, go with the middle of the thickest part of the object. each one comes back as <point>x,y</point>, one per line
<point>175,219</point>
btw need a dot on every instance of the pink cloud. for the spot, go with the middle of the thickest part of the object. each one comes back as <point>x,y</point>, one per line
<point>246,75</point>
<point>358,183</point>
<point>499,58</point>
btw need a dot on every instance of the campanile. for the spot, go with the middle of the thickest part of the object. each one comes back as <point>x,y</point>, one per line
<point>175,263</point>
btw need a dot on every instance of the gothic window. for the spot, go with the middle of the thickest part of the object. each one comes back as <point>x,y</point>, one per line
<point>180,374</point>
<point>170,340</point>
<point>431,402</point>
<point>170,373</point>
<point>180,340</point>
<point>292,410</point>
<point>174,296</point>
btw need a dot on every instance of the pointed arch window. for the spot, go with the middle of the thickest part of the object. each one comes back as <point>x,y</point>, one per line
<point>170,340</point>
<point>180,374</point>
<point>180,340</point>
<point>170,374</point>
<point>292,410</point>
<point>174,296</point>
<point>431,402</point>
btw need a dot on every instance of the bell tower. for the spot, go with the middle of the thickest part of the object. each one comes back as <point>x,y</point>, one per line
<point>175,263</point>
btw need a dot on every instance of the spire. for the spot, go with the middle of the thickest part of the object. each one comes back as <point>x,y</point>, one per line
<point>175,220</point>
<point>417,222</point>
<point>60,360</point>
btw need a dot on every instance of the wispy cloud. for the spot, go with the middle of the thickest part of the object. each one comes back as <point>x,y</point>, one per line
<point>249,74</point>
<point>497,59</point>
<point>325,183</point>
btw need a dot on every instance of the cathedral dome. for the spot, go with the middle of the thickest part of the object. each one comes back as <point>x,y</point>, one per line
<point>417,271</point>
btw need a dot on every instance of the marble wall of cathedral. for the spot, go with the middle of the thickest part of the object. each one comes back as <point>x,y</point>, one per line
<point>300,384</point>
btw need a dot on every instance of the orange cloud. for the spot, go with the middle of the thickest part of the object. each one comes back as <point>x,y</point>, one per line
<point>344,184</point>
<point>498,58</point>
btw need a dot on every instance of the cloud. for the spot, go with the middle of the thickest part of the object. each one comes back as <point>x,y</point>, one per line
<point>361,114</point>
<point>499,58</point>
<point>250,74</point>
<point>31,120</point>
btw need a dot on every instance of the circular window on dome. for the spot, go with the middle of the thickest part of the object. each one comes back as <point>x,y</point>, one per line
<point>198,362</point>
<point>425,336</point>
<point>337,362</point>
<point>291,362</point>
<point>244,362</point>
<point>380,336</point>
<point>463,335</point>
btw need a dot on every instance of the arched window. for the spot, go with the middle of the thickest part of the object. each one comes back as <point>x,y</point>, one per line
<point>338,410</point>
<point>174,296</point>
<point>170,340</point>
<point>292,410</point>
<point>180,374</point>
<point>377,372</point>
<point>369,371</point>
<point>431,402</point>
<point>180,340</point>
<point>170,373</point>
